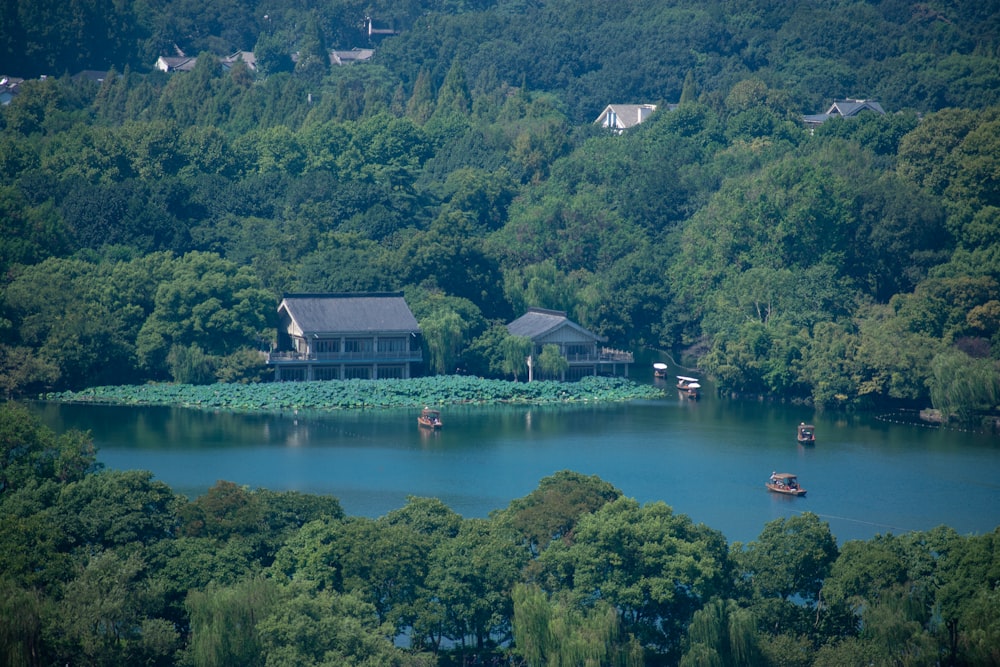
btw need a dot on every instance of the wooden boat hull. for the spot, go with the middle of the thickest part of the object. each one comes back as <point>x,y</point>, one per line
<point>785,490</point>
<point>429,419</point>
<point>688,387</point>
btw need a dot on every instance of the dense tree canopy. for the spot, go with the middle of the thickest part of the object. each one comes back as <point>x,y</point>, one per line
<point>149,224</point>
<point>111,567</point>
<point>165,213</point>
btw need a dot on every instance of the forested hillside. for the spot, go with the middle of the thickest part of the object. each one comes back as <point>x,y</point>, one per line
<point>150,223</point>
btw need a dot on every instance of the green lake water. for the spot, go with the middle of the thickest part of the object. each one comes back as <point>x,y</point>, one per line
<point>708,459</point>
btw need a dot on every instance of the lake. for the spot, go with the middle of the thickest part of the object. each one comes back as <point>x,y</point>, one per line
<point>707,459</point>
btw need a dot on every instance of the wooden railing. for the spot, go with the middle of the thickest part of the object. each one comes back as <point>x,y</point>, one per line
<point>606,355</point>
<point>395,355</point>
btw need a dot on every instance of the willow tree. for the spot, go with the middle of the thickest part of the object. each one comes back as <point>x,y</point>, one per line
<point>551,363</point>
<point>963,386</point>
<point>514,350</point>
<point>721,633</point>
<point>444,333</point>
<point>20,624</point>
<point>224,622</point>
<point>556,633</point>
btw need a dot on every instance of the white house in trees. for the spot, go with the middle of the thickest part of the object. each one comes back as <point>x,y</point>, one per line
<point>620,117</point>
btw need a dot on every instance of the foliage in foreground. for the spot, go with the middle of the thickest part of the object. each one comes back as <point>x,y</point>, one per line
<point>112,567</point>
<point>388,393</point>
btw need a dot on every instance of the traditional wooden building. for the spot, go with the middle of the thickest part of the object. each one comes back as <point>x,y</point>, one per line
<point>582,349</point>
<point>848,108</point>
<point>344,336</point>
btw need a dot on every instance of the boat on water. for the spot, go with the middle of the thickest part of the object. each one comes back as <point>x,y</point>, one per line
<point>659,370</point>
<point>429,419</point>
<point>806,434</point>
<point>786,483</point>
<point>688,386</point>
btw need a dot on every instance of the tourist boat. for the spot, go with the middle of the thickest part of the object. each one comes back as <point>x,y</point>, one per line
<point>429,418</point>
<point>659,370</point>
<point>807,434</point>
<point>689,387</point>
<point>786,483</point>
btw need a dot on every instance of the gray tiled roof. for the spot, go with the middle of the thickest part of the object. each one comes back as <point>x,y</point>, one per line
<point>844,109</point>
<point>848,108</point>
<point>538,322</point>
<point>350,313</point>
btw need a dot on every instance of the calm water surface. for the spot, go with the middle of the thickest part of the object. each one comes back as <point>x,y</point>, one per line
<point>707,459</point>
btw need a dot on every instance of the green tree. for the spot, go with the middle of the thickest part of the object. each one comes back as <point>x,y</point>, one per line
<point>420,106</point>
<point>22,372</point>
<point>656,567</point>
<point>273,54</point>
<point>963,386</point>
<point>382,563</point>
<point>514,350</point>
<point>20,624</point>
<point>964,564</point>
<point>224,622</point>
<point>554,632</point>
<point>471,579</point>
<point>453,96</point>
<point>190,365</point>
<point>540,285</point>
<point>443,333</point>
<point>31,453</point>
<point>28,232</point>
<point>689,91</point>
<point>552,511</point>
<point>304,627</point>
<point>722,633</point>
<point>224,511</point>
<point>113,508</point>
<point>314,57</point>
<point>206,301</point>
<point>551,363</point>
<point>103,612</point>
<point>790,558</point>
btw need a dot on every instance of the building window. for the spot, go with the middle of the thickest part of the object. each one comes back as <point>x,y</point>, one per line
<point>356,345</point>
<point>390,372</point>
<point>357,372</point>
<point>326,373</point>
<point>577,372</point>
<point>293,374</point>
<point>326,345</point>
<point>391,345</point>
